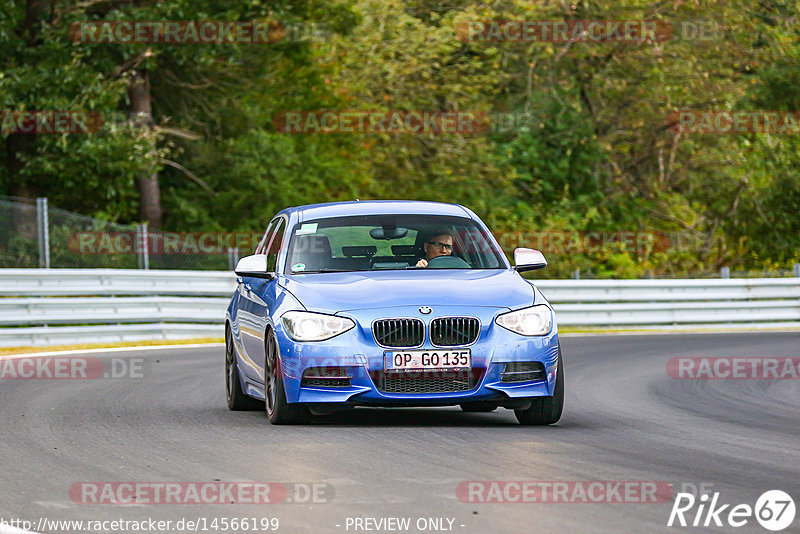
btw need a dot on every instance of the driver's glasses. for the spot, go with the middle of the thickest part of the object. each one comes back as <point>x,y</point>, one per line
<point>445,246</point>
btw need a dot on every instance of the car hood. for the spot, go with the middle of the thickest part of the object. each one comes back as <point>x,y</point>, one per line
<point>335,292</point>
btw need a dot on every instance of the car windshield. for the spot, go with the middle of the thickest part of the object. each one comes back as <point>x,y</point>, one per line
<point>387,242</point>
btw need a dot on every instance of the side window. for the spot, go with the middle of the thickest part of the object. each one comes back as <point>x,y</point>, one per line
<point>262,245</point>
<point>275,245</point>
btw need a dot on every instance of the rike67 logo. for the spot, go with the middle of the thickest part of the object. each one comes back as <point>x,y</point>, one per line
<point>774,510</point>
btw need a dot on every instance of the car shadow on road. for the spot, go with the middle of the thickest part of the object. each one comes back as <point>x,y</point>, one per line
<point>416,417</point>
<point>363,417</point>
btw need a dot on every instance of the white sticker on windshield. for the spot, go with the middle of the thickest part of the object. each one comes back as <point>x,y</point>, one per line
<point>306,228</point>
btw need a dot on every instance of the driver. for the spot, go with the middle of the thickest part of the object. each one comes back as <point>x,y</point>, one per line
<point>440,244</point>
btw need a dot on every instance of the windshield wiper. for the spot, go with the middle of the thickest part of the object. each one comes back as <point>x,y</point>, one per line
<point>323,271</point>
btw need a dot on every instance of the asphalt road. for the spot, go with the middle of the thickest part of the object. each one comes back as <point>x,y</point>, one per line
<point>625,420</point>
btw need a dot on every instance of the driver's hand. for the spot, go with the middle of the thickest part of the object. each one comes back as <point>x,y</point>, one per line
<point>422,263</point>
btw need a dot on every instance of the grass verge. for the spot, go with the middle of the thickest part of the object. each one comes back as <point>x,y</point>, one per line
<point>4,351</point>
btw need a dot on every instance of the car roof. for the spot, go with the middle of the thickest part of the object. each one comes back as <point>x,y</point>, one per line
<point>376,207</point>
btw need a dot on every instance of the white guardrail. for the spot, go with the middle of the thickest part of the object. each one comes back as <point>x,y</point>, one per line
<point>68,306</point>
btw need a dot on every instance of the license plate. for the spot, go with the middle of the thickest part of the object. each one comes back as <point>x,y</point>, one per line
<point>428,359</point>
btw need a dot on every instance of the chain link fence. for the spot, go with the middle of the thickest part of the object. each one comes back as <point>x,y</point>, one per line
<point>19,240</point>
<point>34,234</point>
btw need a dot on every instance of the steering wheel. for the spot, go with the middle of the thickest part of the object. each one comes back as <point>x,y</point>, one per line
<point>447,262</point>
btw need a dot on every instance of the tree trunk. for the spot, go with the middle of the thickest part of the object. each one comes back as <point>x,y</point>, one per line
<point>22,145</point>
<point>147,183</point>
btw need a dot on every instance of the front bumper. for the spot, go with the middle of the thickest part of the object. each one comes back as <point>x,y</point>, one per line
<point>357,352</point>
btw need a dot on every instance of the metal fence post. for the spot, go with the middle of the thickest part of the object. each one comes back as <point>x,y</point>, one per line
<point>725,272</point>
<point>233,257</point>
<point>144,253</point>
<point>797,270</point>
<point>576,274</point>
<point>43,227</point>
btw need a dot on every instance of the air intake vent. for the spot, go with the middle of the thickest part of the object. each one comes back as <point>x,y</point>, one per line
<point>411,382</point>
<point>398,332</point>
<point>454,331</point>
<point>523,372</point>
<point>325,377</point>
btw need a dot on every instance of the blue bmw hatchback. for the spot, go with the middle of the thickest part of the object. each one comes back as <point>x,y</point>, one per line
<point>389,303</point>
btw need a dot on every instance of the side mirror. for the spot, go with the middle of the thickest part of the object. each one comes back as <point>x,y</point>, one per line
<point>528,259</point>
<point>254,266</point>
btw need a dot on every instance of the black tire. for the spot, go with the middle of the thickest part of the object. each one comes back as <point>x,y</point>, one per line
<point>546,410</point>
<point>278,410</point>
<point>478,407</point>
<point>237,400</point>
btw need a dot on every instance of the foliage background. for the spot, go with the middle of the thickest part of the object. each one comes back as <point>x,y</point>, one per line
<point>597,155</point>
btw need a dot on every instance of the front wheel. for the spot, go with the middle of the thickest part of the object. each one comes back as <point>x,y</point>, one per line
<point>237,400</point>
<point>546,410</point>
<point>279,411</point>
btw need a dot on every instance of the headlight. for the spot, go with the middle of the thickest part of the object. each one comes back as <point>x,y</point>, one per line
<point>307,326</point>
<point>533,321</point>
